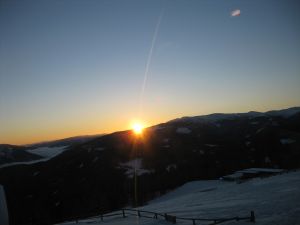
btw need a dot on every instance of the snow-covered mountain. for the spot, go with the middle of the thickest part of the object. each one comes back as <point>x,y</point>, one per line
<point>13,153</point>
<point>215,117</point>
<point>70,141</point>
<point>97,175</point>
<point>275,200</point>
<point>40,154</point>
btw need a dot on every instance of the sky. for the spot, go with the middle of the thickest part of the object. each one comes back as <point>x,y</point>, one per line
<point>78,67</point>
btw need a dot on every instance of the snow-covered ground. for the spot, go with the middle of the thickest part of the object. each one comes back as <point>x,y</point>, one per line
<point>46,152</point>
<point>134,165</point>
<point>275,201</point>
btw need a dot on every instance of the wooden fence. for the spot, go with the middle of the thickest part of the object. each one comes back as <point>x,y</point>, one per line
<point>124,213</point>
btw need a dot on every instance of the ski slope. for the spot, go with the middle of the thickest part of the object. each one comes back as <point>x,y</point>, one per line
<point>275,200</point>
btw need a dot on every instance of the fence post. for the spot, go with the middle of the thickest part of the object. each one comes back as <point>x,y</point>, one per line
<point>139,214</point>
<point>155,215</point>
<point>252,217</point>
<point>101,217</point>
<point>170,218</point>
<point>123,212</point>
<point>194,222</point>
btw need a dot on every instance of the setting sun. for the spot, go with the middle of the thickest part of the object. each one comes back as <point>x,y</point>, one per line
<point>137,128</point>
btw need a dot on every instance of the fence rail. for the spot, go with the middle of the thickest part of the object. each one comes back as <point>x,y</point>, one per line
<point>170,218</point>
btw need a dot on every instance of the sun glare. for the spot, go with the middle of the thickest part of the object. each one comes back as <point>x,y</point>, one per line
<point>137,128</point>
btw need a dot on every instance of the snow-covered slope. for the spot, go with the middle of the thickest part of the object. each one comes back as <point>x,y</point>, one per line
<point>275,200</point>
<point>215,117</point>
<point>66,141</point>
<point>132,166</point>
<point>14,153</point>
<point>46,152</point>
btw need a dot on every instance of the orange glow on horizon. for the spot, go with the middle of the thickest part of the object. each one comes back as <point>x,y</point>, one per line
<point>31,130</point>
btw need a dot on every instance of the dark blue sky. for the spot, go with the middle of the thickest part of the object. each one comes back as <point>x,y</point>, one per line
<point>77,67</point>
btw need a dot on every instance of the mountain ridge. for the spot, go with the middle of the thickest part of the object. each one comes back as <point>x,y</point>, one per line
<point>98,175</point>
<point>213,117</point>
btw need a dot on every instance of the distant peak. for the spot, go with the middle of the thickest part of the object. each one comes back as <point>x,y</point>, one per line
<point>214,117</point>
